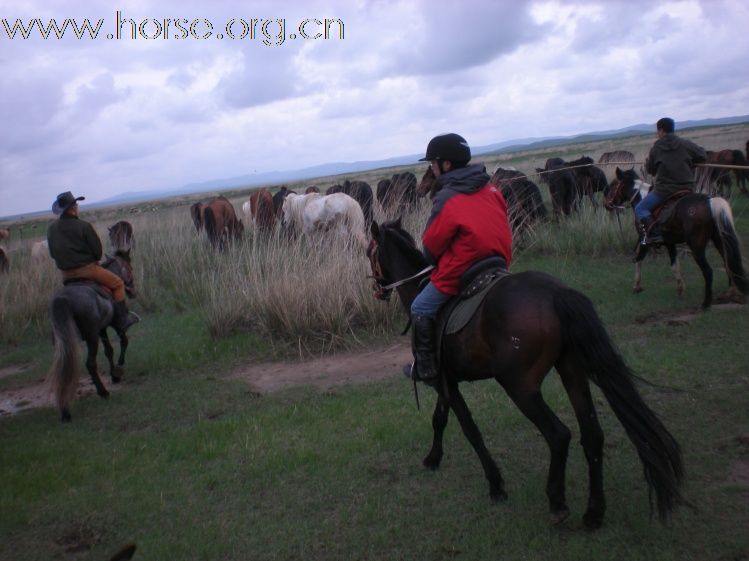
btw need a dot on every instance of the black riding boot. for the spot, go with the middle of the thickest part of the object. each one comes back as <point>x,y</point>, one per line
<point>123,319</point>
<point>424,368</point>
<point>651,233</point>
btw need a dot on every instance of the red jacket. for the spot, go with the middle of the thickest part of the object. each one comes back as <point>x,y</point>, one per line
<point>468,223</point>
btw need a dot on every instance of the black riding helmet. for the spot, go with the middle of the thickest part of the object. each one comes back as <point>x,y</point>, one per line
<point>448,146</point>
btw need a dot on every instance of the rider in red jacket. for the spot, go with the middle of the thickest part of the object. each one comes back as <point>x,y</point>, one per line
<point>468,223</point>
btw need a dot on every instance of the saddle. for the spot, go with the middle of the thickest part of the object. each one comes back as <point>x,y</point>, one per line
<point>474,286</point>
<point>101,290</point>
<point>662,214</point>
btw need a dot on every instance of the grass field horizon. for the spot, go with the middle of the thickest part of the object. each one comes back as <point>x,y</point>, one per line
<point>191,464</point>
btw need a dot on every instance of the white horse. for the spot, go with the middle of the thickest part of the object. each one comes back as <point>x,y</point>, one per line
<point>338,213</point>
<point>40,251</point>
<point>292,211</point>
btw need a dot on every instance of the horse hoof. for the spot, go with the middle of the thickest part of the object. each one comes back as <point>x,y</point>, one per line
<point>431,463</point>
<point>556,518</point>
<point>104,394</point>
<point>117,374</point>
<point>66,417</point>
<point>499,496</point>
<point>592,521</point>
<point>637,290</point>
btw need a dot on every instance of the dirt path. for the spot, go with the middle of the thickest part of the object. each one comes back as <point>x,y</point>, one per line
<point>324,373</point>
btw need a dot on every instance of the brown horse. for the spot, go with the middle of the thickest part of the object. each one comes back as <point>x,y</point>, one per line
<point>718,180</point>
<point>696,220</point>
<point>261,210</point>
<point>4,264</point>
<point>121,237</point>
<point>221,222</point>
<point>527,324</point>
<point>4,234</point>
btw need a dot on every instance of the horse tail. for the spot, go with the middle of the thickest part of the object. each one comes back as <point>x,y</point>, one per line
<point>586,340</point>
<point>65,371</point>
<point>209,222</point>
<point>723,218</point>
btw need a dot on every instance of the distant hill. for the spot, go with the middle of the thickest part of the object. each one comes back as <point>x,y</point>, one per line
<point>338,168</point>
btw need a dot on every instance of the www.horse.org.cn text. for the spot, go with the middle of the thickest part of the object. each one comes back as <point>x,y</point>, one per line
<point>270,32</point>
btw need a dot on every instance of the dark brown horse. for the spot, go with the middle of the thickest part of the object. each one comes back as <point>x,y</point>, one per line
<point>121,237</point>
<point>4,264</point>
<point>696,220</point>
<point>221,222</point>
<point>81,311</point>
<point>528,324</point>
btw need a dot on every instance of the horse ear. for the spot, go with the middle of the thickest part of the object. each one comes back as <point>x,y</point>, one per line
<point>375,229</point>
<point>618,173</point>
<point>397,223</point>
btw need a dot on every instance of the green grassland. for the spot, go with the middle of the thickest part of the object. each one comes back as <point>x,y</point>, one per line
<point>191,464</point>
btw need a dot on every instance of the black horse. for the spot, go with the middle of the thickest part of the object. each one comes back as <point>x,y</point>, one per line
<point>525,206</point>
<point>696,220</point>
<point>528,323</point>
<point>565,195</point>
<point>80,310</point>
<point>589,178</point>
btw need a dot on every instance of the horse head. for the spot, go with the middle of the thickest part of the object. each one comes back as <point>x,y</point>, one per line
<point>627,188</point>
<point>428,184</point>
<point>393,256</point>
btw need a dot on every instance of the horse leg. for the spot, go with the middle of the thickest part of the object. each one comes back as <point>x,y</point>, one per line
<point>557,437</point>
<point>471,431</point>
<point>640,252</point>
<point>676,269</point>
<point>120,369</point>
<point>707,273</point>
<point>109,352</point>
<point>92,343</point>
<point>638,278</point>
<point>591,439</point>
<point>439,422</point>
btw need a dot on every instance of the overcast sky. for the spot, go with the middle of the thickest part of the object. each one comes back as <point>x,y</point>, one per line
<point>104,116</point>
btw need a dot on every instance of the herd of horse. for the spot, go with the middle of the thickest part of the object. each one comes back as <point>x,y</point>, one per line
<point>527,324</point>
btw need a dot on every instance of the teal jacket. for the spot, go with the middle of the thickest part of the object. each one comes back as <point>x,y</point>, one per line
<point>73,242</point>
<point>671,161</point>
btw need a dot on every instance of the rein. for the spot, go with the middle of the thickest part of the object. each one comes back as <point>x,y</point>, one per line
<point>382,291</point>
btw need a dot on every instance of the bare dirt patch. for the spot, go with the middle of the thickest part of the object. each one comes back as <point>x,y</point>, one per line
<point>354,367</point>
<point>37,394</point>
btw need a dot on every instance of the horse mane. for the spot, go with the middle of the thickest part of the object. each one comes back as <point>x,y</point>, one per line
<point>403,239</point>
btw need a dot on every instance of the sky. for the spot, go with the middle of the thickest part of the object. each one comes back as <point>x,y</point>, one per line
<point>183,102</point>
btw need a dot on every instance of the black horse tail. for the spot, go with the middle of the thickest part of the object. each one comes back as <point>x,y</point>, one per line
<point>587,342</point>
<point>723,218</point>
<point>209,222</point>
<point>65,371</point>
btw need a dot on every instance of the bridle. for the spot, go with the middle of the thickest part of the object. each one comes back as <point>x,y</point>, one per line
<point>382,288</point>
<point>616,193</point>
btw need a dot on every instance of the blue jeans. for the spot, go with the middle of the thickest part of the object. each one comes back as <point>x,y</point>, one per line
<point>428,302</point>
<point>644,208</point>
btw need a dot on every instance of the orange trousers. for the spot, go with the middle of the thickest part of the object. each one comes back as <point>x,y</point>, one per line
<point>100,275</point>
